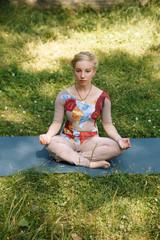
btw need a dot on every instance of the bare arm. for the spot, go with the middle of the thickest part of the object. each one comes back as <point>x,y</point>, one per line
<point>52,131</point>
<point>111,131</point>
<point>57,121</point>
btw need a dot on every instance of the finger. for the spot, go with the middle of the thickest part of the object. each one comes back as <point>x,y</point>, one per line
<point>41,142</point>
<point>129,144</point>
<point>123,147</point>
<point>40,137</point>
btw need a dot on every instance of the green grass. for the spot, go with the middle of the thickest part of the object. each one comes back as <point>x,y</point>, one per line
<point>36,47</point>
<point>55,206</point>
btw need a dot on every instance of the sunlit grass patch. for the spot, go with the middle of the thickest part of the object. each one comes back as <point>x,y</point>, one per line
<point>14,115</point>
<point>109,32</point>
<point>47,90</point>
<point>130,38</point>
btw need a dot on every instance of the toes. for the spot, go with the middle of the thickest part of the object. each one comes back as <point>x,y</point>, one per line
<point>106,165</point>
<point>101,164</point>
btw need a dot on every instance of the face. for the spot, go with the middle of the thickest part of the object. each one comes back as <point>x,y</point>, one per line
<point>84,72</point>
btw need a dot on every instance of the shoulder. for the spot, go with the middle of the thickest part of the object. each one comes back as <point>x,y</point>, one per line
<point>105,94</point>
<point>96,89</point>
<point>62,92</point>
<point>64,95</point>
<point>102,94</point>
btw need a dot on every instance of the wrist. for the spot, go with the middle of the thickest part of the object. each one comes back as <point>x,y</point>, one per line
<point>48,135</point>
<point>118,139</point>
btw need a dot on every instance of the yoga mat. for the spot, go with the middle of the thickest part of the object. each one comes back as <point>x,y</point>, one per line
<point>19,153</point>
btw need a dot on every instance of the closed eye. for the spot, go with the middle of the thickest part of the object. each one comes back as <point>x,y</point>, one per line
<point>79,70</point>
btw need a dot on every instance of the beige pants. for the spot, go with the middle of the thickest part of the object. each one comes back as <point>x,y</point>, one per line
<point>93,149</point>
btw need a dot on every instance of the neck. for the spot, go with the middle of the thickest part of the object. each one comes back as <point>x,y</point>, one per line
<point>83,88</point>
<point>83,94</point>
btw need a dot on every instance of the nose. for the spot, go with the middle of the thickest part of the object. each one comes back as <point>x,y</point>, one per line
<point>82,74</point>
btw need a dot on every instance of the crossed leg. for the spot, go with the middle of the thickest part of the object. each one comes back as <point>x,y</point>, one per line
<point>99,148</point>
<point>66,150</point>
<point>99,151</point>
<point>91,153</point>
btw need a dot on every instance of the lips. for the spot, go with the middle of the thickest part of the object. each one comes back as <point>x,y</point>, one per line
<point>82,81</point>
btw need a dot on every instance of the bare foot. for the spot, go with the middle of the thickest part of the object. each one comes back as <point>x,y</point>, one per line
<point>100,164</point>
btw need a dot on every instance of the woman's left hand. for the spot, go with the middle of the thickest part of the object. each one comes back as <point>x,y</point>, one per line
<point>124,143</point>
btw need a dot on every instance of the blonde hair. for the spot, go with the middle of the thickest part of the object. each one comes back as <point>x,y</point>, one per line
<point>85,56</point>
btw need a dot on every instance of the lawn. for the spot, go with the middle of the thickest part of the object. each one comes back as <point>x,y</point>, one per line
<point>36,47</point>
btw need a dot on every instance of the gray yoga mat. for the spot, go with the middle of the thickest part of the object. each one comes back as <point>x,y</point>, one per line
<point>19,153</point>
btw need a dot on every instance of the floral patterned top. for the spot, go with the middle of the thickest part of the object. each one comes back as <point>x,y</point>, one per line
<point>81,115</point>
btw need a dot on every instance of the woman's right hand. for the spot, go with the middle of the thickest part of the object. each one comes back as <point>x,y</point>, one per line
<point>44,139</point>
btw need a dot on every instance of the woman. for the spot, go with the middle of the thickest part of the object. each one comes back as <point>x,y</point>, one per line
<point>79,142</point>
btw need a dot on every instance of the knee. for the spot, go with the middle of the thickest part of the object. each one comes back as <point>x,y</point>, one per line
<point>57,145</point>
<point>116,147</point>
<point>113,144</point>
<point>52,144</point>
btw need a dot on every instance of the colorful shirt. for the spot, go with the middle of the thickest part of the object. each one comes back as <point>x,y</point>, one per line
<point>81,115</point>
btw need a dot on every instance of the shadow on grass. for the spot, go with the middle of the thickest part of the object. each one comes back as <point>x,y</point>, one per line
<point>130,82</point>
<point>45,23</point>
